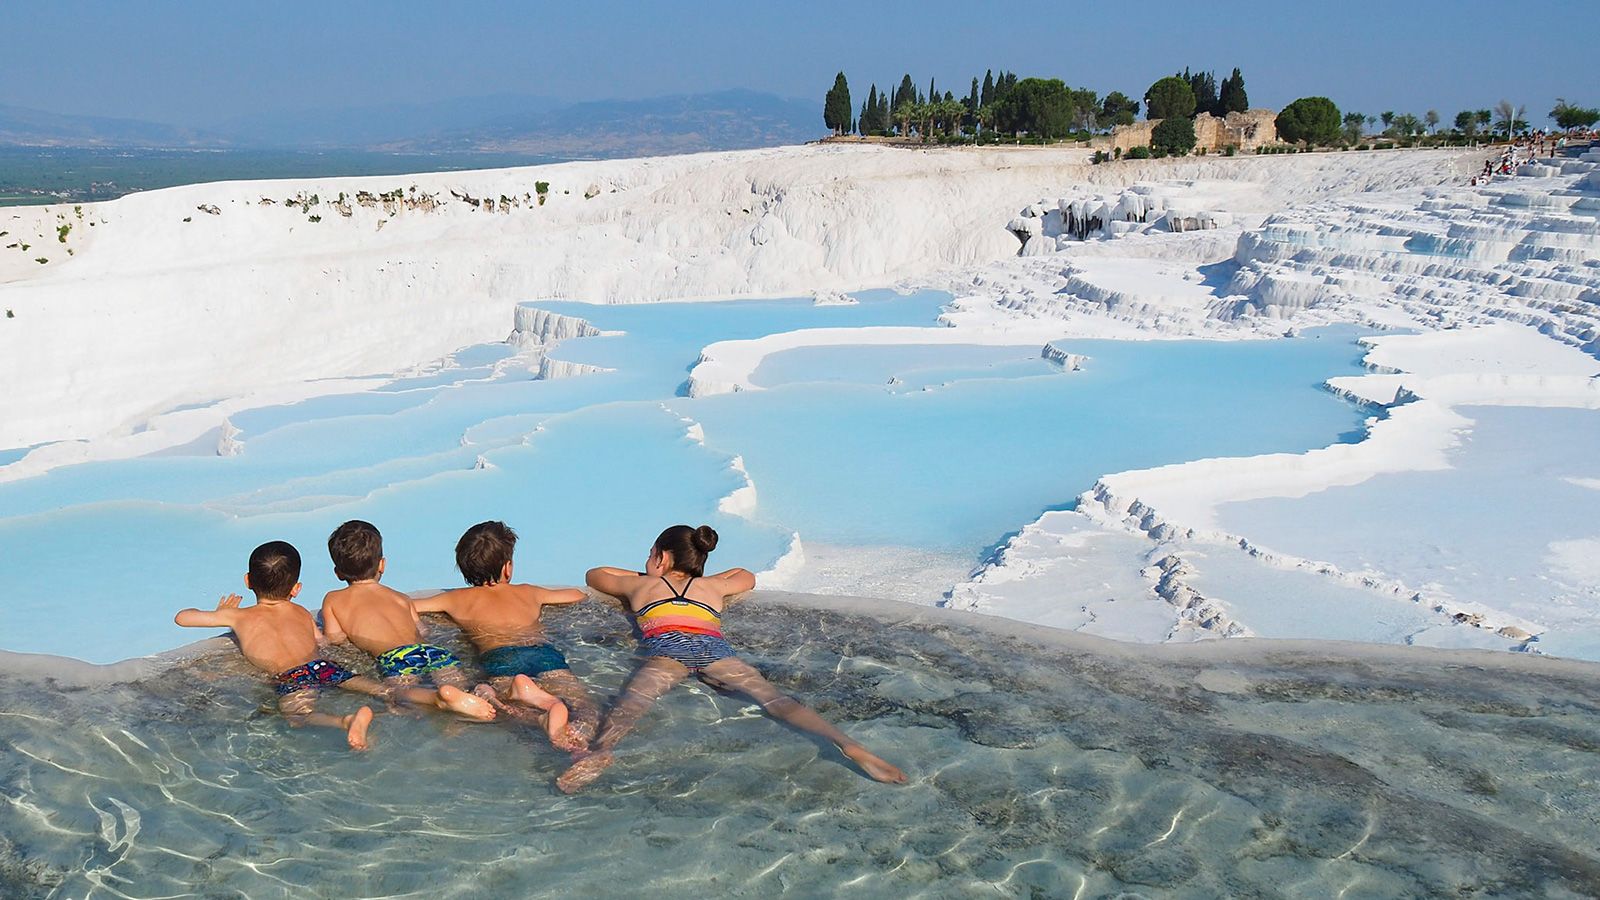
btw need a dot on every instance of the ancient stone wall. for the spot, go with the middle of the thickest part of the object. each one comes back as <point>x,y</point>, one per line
<point>1244,130</point>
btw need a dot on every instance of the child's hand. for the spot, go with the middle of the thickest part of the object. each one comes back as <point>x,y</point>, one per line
<point>231,601</point>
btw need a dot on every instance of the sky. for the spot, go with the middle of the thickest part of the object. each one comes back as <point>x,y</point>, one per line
<point>199,64</point>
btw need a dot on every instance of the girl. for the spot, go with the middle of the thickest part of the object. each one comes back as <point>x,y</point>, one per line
<point>678,611</point>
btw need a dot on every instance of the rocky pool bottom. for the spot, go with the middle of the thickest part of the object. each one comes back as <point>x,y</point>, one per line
<point>1042,764</point>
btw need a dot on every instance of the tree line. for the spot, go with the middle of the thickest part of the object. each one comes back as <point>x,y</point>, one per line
<point>998,104</point>
<point>1046,109</point>
<point>1317,121</point>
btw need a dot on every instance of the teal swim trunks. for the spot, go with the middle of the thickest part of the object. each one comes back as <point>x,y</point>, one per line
<point>533,660</point>
<point>415,659</point>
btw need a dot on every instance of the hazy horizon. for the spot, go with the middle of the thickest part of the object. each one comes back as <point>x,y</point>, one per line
<point>202,67</point>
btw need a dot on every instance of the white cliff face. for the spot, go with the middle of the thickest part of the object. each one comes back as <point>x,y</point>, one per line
<point>287,283</point>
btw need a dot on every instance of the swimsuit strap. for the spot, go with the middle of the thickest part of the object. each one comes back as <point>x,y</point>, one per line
<point>677,594</point>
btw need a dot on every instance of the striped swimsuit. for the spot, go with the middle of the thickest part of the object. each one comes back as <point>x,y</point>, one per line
<point>682,629</point>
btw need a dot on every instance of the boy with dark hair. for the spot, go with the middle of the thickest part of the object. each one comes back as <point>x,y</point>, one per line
<point>382,622</point>
<point>279,637</point>
<point>502,621</point>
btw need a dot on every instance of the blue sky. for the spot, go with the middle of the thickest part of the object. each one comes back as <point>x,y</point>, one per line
<point>200,63</point>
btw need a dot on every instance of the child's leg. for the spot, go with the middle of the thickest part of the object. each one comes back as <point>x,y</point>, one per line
<point>300,708</point>
<point>736,674</point>
<point>445,697</point>
<point>526,691</point>
<point>521,698</point>
<point>583,711</point>
<point>647,685</point>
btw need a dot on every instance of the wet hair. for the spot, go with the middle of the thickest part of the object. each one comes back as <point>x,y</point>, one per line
<point>356,548</point>
<point>689,547</point>
<point>482,553</point>
<point>274,570</point>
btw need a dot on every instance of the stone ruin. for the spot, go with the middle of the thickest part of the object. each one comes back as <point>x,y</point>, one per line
<point>1243,130</point>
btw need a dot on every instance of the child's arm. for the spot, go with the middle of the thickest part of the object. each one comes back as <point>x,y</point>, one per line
<point>548,597</point>
<point>735,581</point>
<point>332,631</point>
<point>610,580</point>
<point>438,603</point>
<point>223,616</point>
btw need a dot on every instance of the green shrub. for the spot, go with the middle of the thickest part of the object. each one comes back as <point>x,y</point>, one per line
<point>1173,136</point>
<point>1116,153</point>
<point>1229,150</point>
<point>1138,153</point>
<point>541,187</point>
<point>62,232</point>
<point>1099,157</point>
<point>314,218</point>
<point>1310,120</point>
<point>10,314</point>
<point>40,260</point>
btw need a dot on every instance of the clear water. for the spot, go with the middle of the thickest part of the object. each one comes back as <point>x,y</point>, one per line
<point>1063,768</point>
<point>1510,525</point>
<point>970,444</point>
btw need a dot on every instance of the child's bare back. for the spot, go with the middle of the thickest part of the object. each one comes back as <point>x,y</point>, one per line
<point>382,622</point>
<point>501,619</point>
<point>279,637</point>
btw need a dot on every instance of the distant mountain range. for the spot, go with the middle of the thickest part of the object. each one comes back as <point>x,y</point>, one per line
<point>726,120</point>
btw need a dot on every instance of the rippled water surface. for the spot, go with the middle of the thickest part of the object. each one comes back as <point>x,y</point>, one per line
<point>1075,769</point>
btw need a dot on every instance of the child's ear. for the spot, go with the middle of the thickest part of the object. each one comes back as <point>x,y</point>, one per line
<point>382,564</point>
<point>247,581</point>
<point>294,591</point>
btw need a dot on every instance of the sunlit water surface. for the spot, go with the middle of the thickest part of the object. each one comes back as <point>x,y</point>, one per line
<point>1075,769</point>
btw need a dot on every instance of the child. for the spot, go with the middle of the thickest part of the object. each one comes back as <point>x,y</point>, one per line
<point>678,611</point>
<point>382,622</point>
<point>279,637</point>
<point>502,621</point>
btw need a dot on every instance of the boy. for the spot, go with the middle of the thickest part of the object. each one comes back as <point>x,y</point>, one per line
<point>279,637</point>
<point>382,622</point>
<point>502,621</point>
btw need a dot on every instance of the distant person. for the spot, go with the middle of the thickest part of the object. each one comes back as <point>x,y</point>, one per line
<point>279,637</point>
<point>383,623</point>
<point>502,621</point>
<point>678,612</point>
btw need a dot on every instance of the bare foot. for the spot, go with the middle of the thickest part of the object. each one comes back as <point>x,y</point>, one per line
<point>356,725</point>
<point>526,691</point>
<point>462,703</point>
<point>583,772</point>
<point>877,769</point>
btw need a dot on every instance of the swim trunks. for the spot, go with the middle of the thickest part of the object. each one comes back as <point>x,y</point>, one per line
<point>695,651</point>
<point>414,659</point>
<point>532,660</point>
<point>316,674</point>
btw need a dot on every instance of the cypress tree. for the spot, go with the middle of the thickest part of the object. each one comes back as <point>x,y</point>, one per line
<point>906,94</point>
<point>836,107</point>
<point>987,96</point>
<point>1232,97</point>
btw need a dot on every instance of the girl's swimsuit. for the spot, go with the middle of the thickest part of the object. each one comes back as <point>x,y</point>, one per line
<point>682,629</point>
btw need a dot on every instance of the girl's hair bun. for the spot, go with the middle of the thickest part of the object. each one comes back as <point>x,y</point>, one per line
<point>704,539</point>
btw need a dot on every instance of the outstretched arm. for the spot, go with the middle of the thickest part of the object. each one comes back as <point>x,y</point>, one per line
<point>611,580</point>
<point>735,581</point>
<point>438,603</point>
<point>562,597</point>
<point>223,616</point>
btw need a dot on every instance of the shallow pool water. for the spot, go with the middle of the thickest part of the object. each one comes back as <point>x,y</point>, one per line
<point>944,449</point>
<point>1040,767</point>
